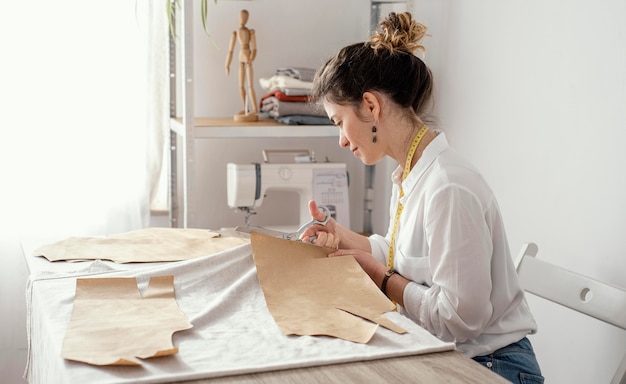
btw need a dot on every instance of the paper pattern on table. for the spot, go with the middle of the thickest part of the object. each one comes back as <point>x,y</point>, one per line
<point>142,246</point>
<point>309,293</point>
<point>113,324</point>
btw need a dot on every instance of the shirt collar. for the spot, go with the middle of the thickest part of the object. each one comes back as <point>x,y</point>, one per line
<point>430,153</point>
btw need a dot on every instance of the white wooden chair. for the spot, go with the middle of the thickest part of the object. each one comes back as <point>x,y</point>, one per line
<point>594,298</point>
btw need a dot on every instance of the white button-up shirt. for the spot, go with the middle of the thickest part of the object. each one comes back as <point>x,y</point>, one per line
<point>452,245</point>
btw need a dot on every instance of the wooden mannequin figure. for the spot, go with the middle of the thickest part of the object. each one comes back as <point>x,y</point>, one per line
<point>247,53</point>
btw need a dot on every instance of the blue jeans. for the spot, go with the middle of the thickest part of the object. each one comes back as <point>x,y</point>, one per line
<point>515,362</point>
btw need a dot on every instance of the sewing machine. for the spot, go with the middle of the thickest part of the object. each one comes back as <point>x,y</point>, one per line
<point>327,183</point>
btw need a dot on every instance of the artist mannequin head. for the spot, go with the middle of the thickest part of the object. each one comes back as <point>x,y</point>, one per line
<point>377,91</point>
<point>243,17</point>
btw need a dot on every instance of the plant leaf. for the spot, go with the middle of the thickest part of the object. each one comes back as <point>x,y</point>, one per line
<point>171,16</point>
<point>204,15</point>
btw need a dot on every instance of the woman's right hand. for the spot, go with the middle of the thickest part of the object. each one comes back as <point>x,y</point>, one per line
<point>324,235</point>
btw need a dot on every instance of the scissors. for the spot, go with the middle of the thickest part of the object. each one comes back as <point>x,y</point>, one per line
<point>304,226</point>
<point>295,236</point>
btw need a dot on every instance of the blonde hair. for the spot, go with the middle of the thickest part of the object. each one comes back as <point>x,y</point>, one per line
<point>399,31</point>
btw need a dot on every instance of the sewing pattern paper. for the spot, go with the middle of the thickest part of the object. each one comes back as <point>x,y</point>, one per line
<point>309,293</point>
<point>143,245</point>
<point>113,324</point>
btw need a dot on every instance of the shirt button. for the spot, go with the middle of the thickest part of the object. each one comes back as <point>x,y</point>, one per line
<point>489,364</point>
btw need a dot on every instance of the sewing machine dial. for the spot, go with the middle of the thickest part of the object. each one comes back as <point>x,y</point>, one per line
<point>284,173</point>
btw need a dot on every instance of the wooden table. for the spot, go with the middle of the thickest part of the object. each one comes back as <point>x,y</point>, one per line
<point>434,368</point>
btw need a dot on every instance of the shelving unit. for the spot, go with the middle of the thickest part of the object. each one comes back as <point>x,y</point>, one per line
<point>186,128</point>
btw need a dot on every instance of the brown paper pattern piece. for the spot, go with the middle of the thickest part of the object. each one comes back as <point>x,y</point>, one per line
<point>309,293</point>
<point>112,324</point>
<point>143,245</point>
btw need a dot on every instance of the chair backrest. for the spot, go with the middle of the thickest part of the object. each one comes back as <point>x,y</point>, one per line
<point>594,298</point>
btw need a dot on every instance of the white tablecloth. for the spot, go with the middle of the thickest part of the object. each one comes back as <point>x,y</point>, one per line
<point>233,331</point>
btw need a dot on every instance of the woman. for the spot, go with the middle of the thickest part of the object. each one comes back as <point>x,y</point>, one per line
<point>445,259</point>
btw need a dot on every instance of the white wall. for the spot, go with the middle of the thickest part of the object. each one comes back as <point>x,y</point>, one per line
<point>534,93</point>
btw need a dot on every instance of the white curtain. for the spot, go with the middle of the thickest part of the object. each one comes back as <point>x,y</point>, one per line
<point>159,100</point>
<point>82,138</point>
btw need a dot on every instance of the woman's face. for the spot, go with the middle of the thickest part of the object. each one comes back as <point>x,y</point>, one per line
<point>354,133</point>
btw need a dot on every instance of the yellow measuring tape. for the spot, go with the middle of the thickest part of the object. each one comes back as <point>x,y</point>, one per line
<point>407,168</point>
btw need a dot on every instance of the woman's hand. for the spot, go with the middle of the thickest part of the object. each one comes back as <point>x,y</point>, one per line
<point>325,239</point>
<point>322,235</point>
<point>333,234</point>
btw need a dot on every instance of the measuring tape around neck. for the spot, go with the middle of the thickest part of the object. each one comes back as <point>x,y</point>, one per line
<point>407,168</point>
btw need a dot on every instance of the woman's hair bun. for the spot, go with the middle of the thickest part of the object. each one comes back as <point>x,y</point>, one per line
<point>399,32</point>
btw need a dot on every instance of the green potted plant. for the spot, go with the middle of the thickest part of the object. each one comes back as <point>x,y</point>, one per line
<point>174,5</point>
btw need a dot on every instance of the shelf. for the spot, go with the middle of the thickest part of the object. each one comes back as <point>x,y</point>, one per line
<point>226,127</point>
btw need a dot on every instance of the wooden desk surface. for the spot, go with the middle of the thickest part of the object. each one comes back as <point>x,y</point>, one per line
<point>443,367</point>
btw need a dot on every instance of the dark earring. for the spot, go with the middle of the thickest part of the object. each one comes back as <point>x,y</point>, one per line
<point>374,132</point>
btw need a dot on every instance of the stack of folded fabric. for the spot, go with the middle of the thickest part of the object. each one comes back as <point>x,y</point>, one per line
<point>287,97</point>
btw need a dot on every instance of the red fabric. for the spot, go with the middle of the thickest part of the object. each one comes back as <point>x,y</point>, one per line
<point>282,96</point>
